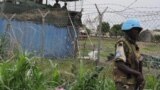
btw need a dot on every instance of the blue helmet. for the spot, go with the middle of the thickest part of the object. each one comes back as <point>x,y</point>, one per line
<point>131,23</point>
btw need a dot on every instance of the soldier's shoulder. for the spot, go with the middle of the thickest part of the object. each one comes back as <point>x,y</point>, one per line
<point>120,42</point>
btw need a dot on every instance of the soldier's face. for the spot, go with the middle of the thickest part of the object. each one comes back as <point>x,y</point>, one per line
<point>135,34</point>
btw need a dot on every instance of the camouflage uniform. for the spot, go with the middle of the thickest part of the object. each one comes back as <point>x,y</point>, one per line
<point>130,55</point>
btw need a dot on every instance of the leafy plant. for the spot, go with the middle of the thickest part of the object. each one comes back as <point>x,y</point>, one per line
<point>20,75</point>
<point>152,82</point>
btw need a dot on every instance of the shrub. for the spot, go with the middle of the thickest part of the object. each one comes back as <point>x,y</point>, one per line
<point>156,38</point>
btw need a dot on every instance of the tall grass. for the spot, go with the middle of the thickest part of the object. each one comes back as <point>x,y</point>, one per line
<point>91,79</point>
<point>29,73</point>
<point>23,73</point>
<point>152,82</point>
<point>20,75</point>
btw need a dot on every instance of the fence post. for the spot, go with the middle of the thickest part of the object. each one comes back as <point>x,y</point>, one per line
<point>76,36</point>
<point>8,31</point>
<point>99,32</point>
<point>43,32</point>
<point>9,19</point>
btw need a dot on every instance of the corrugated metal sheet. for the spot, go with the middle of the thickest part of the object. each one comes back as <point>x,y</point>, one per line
<point>56,41</point>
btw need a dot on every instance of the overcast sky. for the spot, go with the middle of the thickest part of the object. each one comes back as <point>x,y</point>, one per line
<point>148,11</point>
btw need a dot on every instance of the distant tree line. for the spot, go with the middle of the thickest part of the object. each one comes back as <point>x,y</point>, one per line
<point>156,38</point>
<point>113,31</point>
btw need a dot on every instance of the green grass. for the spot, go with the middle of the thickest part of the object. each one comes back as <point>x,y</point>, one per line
<point>43,74</point>
<point>150,48</point>
<point>108,46</point>
<point>31,73</point>
<point>152,82</point>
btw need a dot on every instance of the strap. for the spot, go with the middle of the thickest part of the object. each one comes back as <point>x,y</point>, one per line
<point>128,50</point>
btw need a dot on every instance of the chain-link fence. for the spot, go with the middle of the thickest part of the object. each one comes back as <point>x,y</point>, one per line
<point>39,29</point>
<point>44,31</point>
<point>149,17</point>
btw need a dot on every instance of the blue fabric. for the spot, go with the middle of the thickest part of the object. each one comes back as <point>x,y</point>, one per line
<point>57,40</point>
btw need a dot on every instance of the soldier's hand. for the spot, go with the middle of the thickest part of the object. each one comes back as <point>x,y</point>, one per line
<point>140,78</point>
<point>142,85</point>
<point>140,82</point>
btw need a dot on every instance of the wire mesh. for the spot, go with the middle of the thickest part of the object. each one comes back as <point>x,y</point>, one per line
<point>115,15</point>
<point>38,29</point>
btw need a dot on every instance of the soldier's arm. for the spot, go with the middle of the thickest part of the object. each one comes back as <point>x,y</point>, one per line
<point>124,68</point>
<point>140,66</point>
<point>120,59</point>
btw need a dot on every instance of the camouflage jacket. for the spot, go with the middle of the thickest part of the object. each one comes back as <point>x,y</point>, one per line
<point>130,55</point>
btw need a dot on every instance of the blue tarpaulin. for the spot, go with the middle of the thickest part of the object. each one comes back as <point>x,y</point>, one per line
<point>48,39</point>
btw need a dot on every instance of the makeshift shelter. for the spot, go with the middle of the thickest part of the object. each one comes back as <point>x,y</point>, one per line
<point>40,29</point>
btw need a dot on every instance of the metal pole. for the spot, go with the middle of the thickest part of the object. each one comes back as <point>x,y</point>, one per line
<point>75,5</point>
<point>43,31</point>
<point>76,47</point>
<point>99,33</point>
<point>9,33</point>
<point>99,39</point>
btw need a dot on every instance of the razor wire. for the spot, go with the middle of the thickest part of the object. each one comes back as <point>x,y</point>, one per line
<point>41,16</point>
<point>149,16</point>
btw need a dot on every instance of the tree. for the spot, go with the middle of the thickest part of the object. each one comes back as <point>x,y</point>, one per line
<point>105,27</point>
<point>116,30</point>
